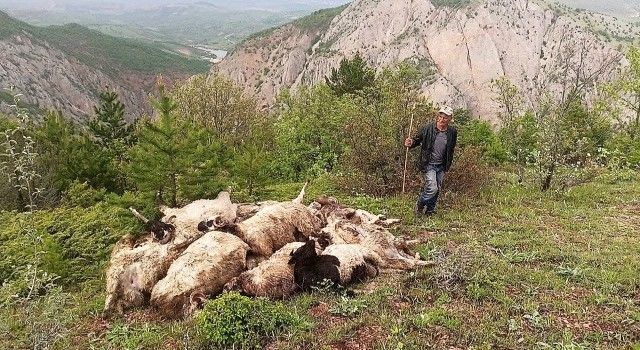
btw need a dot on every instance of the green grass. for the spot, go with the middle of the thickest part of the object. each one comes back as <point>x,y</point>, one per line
<point>516,269</point>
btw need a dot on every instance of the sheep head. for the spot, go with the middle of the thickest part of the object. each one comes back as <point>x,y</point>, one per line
<point>306,252</point>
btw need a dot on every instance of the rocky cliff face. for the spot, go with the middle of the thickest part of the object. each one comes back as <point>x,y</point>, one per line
<point>459,50</point>
<point>49,79</point>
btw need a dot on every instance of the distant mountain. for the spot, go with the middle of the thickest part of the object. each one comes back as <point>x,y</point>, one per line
<point>66,67</point>
<point>625,9</point>
<point>460,46</point>
<point>217,23</point>
<point>287,5</point>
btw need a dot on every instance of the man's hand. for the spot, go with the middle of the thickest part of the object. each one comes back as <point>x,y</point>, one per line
<point>408,142</point>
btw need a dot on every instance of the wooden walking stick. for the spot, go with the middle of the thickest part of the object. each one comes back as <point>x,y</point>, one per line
<point>406,155</point>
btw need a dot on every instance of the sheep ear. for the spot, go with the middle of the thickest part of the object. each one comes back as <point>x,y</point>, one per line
<point>171,219</point>
<point>224,195</point>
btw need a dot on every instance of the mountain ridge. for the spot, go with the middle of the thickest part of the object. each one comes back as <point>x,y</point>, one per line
<point>460,48</point>
<point>66,67</point>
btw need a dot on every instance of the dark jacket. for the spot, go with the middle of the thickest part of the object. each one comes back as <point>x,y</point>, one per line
<point>426,137</point>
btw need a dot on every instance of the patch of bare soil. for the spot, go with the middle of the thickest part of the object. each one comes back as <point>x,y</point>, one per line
<point>143,316</point>
<point>366,337</point>
<point>89,329</point>
<point>324,317</point>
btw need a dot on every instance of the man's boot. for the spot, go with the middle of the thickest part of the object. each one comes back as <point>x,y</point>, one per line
<point>419,210</point>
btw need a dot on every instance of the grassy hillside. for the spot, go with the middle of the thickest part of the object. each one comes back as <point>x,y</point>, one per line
<point>514,269</point>
<point>107,53</point>
<point>10,26</point>
<point>103,51</point>
<point>317,21</point>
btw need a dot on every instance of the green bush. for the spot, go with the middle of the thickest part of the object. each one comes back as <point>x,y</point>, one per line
<point>437,317</point>
<point>309,132</point>
<point>348,307</point>
<point>478,133</point>
<point>82,195</point>
<point>622,150</point>
<point>235,321</point>
<point>75,241</point>
<point>124,336</point>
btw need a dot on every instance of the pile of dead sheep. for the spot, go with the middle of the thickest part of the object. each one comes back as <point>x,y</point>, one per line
<point>269,249</point>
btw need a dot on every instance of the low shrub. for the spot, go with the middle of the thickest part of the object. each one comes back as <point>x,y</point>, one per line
<point>82,195</point>
<point>348,307</point>
<point>236,321</point>
<point>468,174</point>
<point>74,242</point>
<point>466,270</point>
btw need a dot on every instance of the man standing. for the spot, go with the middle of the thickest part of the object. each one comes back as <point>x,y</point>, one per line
<point>438,140</point>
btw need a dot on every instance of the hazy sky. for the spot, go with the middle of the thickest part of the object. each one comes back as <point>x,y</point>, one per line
<point>267,4</point>
<point>625,8</point>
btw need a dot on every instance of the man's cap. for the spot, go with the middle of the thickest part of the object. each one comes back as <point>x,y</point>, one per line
<point>446,110</point>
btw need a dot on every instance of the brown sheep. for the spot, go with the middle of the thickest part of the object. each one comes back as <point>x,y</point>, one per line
<point>272,278</point>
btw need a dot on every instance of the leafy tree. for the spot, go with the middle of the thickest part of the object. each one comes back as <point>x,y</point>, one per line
<point>309,132</point>
<point>570,135</point>
<point>222,108</point>
<point>351,77</point>
<point>59,143</point>
<point>113,135</point>
<point>520,138</point>
<point>378,122</point>
<point>214,102</point>
<point>509,99</point>
<point>626,90</point>
<point>562,116</point>
<point>174,157</point>
<point>251,166</point>
<point>70,155</point>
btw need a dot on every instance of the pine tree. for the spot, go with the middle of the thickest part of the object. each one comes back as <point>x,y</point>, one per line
<point>112,135</point>
<point>109,126</point>
<point>174,158</point>
<point>68,155</point>
<point>351,77</point>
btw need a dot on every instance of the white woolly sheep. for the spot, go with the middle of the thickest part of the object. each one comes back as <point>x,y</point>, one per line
<point>203,268</point>
<point>220,212</point>
<point>357,263</point>
<point>133,271</point>
<point>275,226</point>
<point>375,237</point>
